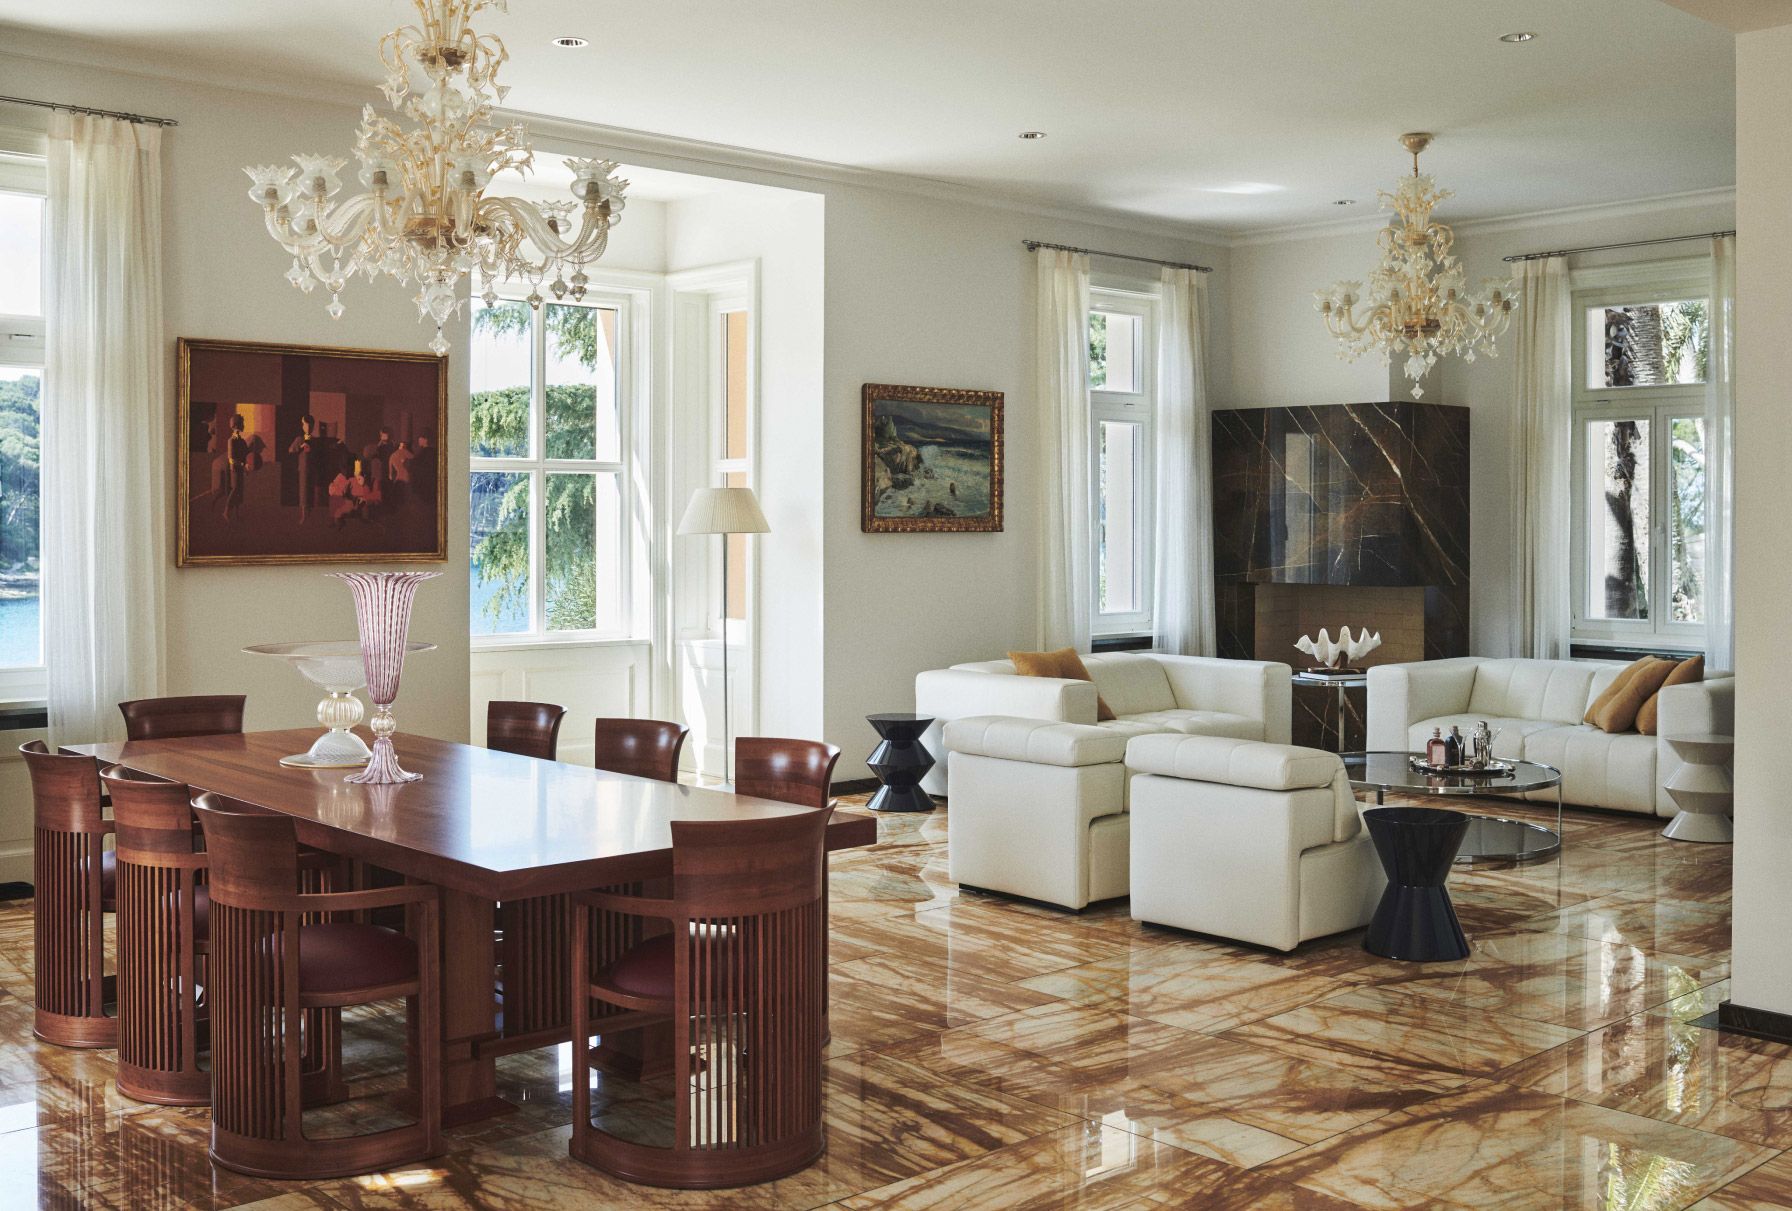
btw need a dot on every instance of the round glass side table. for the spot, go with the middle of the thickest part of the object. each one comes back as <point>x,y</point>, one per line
<point>1488,838</point>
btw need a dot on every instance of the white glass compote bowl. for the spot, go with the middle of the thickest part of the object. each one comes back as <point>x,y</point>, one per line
<point>336,667</point>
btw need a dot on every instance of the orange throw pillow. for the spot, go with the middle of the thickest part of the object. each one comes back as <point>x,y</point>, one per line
<point>1620,713</point>
<point>1684,672</point>
<point>1063,663</point>
<point>1614,689</point>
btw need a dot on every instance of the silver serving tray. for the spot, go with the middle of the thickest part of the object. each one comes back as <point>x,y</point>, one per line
<point>1495,768</point>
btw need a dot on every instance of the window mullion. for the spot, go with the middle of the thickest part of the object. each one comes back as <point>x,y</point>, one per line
<point>538,480</point>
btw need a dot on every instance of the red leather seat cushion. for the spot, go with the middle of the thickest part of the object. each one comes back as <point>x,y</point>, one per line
<point>340,957</point>
<point>647,970</point>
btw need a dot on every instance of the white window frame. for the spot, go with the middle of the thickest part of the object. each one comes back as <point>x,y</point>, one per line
<point>22,344</point>
<point>1134,407</point>
<point>1647,282</point>
<point>632,295</point>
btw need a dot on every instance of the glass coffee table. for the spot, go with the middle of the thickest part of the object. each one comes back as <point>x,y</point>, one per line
<point>1489,838</point>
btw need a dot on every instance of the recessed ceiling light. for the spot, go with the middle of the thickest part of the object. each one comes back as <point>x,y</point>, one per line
<point>1245,187</point>
<point>1345,202</point>
<point>570,43</point>
<point>1032,134</point>
<point>1521,36</point>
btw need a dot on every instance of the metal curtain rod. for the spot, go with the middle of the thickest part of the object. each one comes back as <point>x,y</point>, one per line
<point>1118,256</point>
<point>1670,239</point>
<point>83,109</point>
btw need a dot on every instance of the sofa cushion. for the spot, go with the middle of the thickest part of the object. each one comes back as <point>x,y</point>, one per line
<point>1555,690</point>
<point>1616,687</point>
<point>1063,663</point>
<point>1131,682</point>
<point>1233,762</point>
<point>1039,741</point>
<point>1685,673</point>
<point>1600,769</point>
<point>1620,710</point>
<point>1198,723</point>
<point>1508,744</point>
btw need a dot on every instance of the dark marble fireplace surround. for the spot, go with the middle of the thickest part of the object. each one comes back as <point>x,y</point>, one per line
<point>1371,495</point>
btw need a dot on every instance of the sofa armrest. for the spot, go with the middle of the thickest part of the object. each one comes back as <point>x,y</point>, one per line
<point>957,693</point>
<point>1697,708</point>
<point>1402,694</point>
<point>1262,690</point>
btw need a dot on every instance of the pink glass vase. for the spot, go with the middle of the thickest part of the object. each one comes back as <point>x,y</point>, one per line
<point>383,611</point>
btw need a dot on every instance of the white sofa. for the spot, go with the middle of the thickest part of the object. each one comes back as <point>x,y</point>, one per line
<point>1148,691</point>
<point>1038,809</point>
<point>1262,843</point>
<point>1538,706</point>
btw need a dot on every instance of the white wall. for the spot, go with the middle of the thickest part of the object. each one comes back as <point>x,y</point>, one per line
<point>1762,978</point>
<point>223,279</point>
<point>1282,355</point>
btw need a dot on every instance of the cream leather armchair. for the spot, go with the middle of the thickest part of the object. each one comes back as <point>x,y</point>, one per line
<point>1262,843</point>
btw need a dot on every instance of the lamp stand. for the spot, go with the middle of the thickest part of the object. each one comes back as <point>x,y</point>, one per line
<point>727,741</point>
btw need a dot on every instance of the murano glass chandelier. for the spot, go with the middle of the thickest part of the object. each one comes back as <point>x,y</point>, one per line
<point>1416,305</point>
<point>425,218</point>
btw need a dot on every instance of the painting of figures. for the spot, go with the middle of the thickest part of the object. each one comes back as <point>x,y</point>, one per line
<point>932,459</point>
<point>294,454</point>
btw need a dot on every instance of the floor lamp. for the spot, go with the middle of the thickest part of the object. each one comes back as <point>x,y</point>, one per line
<point>724,511</point>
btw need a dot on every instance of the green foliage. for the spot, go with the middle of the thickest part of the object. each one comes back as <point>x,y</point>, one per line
<point>500,427</point>
<point>1098,349</point>
<point>19,460</point>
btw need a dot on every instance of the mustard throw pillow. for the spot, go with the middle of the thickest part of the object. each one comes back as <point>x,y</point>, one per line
<point>1684,672</point>
<point>1619,715</point>
<point>1063,663</point>
<point>1613,690</point>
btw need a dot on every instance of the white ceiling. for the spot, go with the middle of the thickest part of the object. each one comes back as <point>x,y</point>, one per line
<point>1153,107</point>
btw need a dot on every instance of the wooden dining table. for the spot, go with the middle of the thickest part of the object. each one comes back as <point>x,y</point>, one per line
<point>482,826</point>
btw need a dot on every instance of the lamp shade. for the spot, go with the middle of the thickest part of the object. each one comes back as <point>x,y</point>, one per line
<point>723,511</point>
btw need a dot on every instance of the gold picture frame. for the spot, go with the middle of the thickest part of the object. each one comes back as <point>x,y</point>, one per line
<point>948,479</point>
<point>274,484</point>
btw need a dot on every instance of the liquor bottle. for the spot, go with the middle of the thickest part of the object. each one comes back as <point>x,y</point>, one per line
<point>1453,747</point>
<point>1437,749</point>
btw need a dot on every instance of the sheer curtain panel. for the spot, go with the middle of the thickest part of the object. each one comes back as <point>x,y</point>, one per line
<point>1720,447</point>
<point>104,440</point>
<point>1062,342</point>
<point>1183,609</point>
<point>1540,463</point>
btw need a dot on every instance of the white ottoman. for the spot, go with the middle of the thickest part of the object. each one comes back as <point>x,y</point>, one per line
<point>1036,808</point>
<point>1258,842</point>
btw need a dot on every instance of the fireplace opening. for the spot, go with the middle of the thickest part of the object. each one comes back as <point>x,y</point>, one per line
<point>1285,612</point>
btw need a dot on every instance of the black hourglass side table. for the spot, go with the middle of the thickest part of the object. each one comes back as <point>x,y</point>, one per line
<point>1415,920</point>
<point>900,763</point>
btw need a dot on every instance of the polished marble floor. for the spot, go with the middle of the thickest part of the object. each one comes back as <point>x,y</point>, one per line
<point>988,1053</point>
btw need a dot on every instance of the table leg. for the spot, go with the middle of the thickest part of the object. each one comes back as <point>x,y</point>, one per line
<point>469,1009</point>
<point>1380,796</point>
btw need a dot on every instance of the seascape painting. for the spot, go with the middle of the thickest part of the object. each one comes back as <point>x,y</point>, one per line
<point>310,455</point>
<point>932,460</point>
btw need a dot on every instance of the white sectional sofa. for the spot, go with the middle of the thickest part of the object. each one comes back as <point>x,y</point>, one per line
<point>1538,706</point>
<point>1149,692</point>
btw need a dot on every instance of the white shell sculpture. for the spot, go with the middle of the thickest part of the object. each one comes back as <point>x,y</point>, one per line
<point>1347,647</point>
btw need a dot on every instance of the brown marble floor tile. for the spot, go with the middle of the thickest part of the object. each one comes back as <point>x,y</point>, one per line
<point>888,997</point>
<point>1767,1188</point>
<point>1491,1145</point>
<point>1086,1167</point>
<point>1672,1071</point>
<point>1681,927</point>
<point>981,942</point>
<point>1397,1038</point>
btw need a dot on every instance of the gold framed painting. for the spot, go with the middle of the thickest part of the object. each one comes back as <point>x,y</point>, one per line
<point>932,460</point>
<point>308,454</point>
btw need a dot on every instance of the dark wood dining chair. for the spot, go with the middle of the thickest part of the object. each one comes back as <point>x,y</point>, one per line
<point>273,959</point>
<point>536,980</point>
<point>531,729</point>
<point>163,916</point>
<point>791,771</point>
<point>75,878</point>
<point>173,718</point>
<point>739,976</point>
<point>643,748</point>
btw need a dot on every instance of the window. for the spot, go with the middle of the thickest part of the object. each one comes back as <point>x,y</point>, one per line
<point>1122,399</point>
<point>21,388</point>
<point>550,465</point>
<point>1639,455</point>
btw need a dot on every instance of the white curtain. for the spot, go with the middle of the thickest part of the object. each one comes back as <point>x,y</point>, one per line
<point>1183,604</point>
<point>1062,344</point>
<point>104,436</point>
<point>1720,445</point>
<point>1540,463</point>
